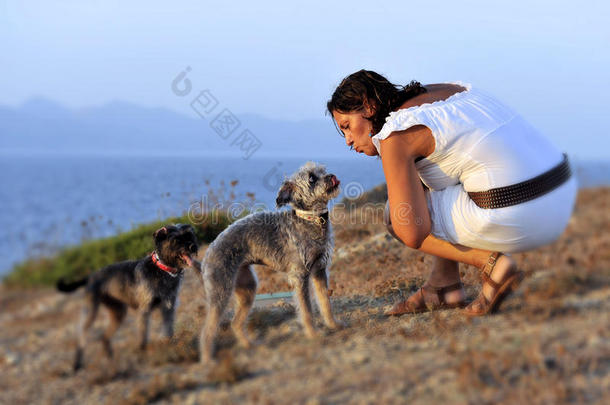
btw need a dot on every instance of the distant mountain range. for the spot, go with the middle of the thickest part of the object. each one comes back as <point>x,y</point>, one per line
<point>42,125</point>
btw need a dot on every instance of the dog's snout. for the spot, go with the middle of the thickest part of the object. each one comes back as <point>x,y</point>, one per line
<point>193,248</point>
<point>333,179</point>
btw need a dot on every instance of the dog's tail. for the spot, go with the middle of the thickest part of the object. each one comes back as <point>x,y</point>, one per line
<point>69,287</point>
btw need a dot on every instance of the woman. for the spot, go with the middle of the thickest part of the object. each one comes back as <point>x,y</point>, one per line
<point>492,185</point>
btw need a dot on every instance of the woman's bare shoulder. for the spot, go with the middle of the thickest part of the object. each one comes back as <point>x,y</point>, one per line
<point>416,141</point>
<point>435,92</point>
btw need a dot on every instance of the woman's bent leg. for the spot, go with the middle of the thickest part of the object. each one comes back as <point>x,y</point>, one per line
<point>447,255</point>
<point>504,267</point>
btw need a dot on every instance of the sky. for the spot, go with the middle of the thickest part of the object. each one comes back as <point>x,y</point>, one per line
<point>549,60</point>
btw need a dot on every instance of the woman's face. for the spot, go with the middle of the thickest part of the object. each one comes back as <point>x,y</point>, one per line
<point>357,130</point>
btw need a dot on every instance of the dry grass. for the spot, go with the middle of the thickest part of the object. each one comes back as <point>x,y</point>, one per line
<point>549,344</point>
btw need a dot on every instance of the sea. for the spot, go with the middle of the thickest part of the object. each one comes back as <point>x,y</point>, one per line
<point>49,201</point>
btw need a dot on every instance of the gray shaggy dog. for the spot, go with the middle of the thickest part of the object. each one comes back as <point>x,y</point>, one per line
<point>298,242</point>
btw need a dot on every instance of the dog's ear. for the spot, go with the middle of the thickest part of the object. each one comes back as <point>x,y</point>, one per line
<point>160,233</point>
<point>191,229</point>
<point>285,194</point>
<point>187,227</point>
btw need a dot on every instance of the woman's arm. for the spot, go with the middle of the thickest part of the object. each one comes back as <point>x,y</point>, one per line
<point>408,209</point>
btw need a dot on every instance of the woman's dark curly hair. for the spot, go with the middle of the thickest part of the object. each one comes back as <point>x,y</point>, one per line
<point>371,87</point>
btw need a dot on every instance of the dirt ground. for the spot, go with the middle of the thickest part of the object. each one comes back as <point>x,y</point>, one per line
<point>550,342</point>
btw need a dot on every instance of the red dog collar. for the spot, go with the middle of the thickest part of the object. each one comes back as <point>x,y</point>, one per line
<point>169,270</point>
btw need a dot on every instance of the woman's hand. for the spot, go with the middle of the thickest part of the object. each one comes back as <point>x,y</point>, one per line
<point>408,208</point>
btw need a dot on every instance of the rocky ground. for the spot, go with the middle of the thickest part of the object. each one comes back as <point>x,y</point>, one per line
<point>550,343</point>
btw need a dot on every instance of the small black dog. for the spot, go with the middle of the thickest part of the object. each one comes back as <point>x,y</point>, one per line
<point>145,284</point>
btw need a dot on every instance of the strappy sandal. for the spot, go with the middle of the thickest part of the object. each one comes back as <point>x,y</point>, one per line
<point>411,306</point>
<point>483,306</point>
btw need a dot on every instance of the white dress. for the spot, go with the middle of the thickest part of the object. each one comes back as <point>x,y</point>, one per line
<point>483,144</point>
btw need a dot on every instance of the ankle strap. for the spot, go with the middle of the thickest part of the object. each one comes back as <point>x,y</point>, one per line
<point>439,292</point>
<point>491,262</point>
<point>445,289</point>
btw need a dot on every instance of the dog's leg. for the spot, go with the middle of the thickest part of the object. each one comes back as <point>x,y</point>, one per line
<point>168,313</point>
<point>301,283</point>
<point>218,284</point>
<point>144,326</point>
<point>208,334</point>
<point>320,283</point>
<point>245,291</point>
<point>117,313</point>
<point>87,318</point>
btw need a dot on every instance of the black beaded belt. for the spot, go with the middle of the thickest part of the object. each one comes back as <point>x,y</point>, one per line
<point>524,191</point>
